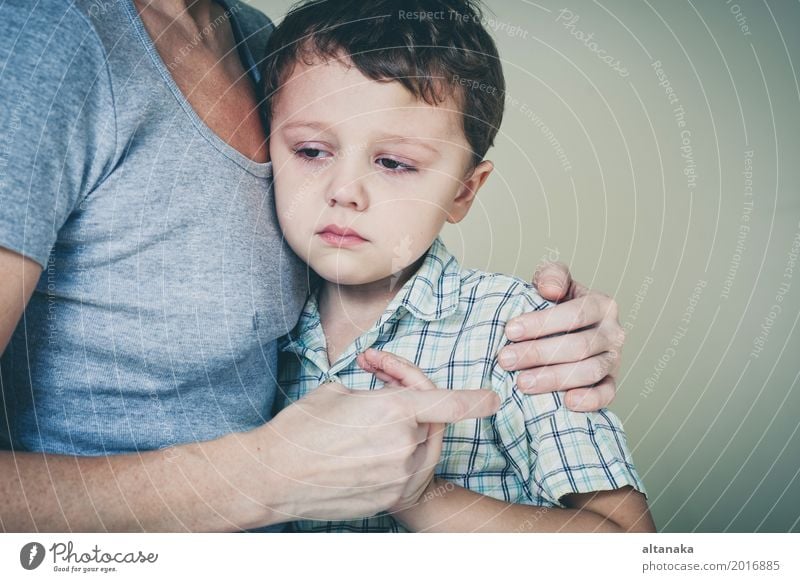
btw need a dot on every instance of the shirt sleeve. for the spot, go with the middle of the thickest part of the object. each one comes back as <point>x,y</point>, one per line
<point>554,450</point>
<point>57,121</point>
<point>578,452</point>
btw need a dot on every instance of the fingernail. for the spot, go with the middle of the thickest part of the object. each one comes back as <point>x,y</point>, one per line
<point>526,382</point>
<point>508,358</point>
<point>514,330</point>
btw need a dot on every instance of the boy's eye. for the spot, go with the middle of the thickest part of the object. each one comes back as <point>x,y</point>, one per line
<point>395,165</point>
<point>311,153</point>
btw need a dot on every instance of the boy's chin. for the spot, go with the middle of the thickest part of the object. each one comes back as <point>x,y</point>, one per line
<point>339,276</point>
<point>349,276</point>
<point>347,280</point>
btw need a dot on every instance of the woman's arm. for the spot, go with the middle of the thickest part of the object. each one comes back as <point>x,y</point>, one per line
<point>331,455</point>
<point>320,456</point>
<point>445,507</point>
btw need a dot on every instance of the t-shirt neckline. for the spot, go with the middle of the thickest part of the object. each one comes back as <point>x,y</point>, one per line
<point>261,170</point>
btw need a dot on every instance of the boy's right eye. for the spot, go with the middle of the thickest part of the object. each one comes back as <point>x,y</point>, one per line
<point>310,153</point>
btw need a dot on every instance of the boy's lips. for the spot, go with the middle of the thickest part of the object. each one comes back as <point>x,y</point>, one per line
<point>340,236</point>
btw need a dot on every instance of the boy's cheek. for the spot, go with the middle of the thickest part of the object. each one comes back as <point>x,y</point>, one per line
<point>293,221</point>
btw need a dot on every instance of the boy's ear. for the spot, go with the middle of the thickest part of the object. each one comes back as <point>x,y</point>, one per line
<point>468,190</point>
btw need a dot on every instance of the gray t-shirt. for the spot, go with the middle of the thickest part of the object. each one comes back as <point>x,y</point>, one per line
<point>166,279</point>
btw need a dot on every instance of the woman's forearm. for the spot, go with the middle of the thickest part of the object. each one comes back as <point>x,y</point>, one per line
<point>195,487</point>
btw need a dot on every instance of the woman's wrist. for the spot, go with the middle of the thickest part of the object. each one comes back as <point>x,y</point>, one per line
<point>413,517</point>
<point>248,463</point>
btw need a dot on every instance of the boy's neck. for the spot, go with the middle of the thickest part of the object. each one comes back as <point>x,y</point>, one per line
<point>348,311</point>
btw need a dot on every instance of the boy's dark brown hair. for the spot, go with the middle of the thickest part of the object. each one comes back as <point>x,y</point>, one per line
<point>435,48</point>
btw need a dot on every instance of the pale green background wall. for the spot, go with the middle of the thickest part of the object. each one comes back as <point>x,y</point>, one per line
<point>715,429</point>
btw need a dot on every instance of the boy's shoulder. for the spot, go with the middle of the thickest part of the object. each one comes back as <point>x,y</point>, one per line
<point>471,295</point>
<point>443,289</point>
<point>508,293</point>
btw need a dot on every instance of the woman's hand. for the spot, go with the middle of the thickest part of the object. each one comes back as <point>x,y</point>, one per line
<point>585,361</point>
<point>343,454</point>
<point>399,373</point>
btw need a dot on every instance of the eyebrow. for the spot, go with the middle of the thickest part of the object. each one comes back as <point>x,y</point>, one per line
<point>304,124</point>
<point>382,138</point>
<point>409,140</point>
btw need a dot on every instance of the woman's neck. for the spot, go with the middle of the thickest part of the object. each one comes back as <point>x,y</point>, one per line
<point>199,11</point>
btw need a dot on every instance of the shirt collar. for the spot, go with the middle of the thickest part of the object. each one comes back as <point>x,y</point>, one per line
<point>432,293</point>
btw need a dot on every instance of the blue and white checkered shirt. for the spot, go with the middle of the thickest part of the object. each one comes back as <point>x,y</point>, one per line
<point>449,321</point>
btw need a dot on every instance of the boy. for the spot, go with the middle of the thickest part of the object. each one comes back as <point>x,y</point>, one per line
<point>381,114</point>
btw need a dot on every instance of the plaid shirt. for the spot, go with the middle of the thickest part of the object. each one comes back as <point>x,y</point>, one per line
<point>449,321</point>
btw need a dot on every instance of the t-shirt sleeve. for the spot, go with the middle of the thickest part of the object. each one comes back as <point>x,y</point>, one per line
<point>554,450</point>
<point>57,121</point>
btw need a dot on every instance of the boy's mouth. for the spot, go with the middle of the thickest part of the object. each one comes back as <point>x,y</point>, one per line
<point>340,236</point>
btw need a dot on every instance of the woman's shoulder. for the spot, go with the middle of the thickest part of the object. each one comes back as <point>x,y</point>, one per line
<point>255,26</point>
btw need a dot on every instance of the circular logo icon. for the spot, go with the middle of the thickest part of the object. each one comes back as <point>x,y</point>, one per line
<point>31,555</point>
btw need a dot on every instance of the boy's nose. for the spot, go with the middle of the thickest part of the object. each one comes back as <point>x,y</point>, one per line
<point>350,194</point>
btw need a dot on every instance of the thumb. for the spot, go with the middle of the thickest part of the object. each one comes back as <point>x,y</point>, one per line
<point>553,281</point>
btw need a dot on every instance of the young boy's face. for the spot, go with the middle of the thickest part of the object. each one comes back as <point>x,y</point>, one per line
<point>365,174</point>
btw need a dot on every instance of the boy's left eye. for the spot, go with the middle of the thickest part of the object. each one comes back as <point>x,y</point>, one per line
<point>395,165</point>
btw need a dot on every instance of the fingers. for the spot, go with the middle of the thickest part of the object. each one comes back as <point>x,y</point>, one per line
<point>553,281</point>
<point>577,313</point>
<point>442,406</point>
<point>420,473</point>
<point>393,369</point>
<point>561,349</point>
<point>428,453</point>
<point>565,376</point>
<point>591,398</point>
